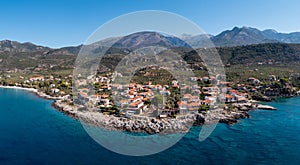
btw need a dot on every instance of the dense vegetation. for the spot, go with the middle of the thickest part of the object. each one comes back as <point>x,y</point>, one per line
<point>240,62</point>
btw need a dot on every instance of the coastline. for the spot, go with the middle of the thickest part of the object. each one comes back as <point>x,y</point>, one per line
<point>152,125</point>
<point>20,88</point>
<point>149,125</point>
<point>33,90</point>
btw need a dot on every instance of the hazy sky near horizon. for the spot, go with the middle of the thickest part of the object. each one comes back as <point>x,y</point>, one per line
<point>58,23</point>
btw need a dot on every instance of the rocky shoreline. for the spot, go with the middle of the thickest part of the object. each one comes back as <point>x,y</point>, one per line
<point>152,125</point>
<point>149,125</point>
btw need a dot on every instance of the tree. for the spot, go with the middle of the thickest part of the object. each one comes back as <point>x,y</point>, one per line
<point>158,99</point>
<point>203,108</point>
<point>202,96</point>
<point>283,80</point>
<point>147,102</point>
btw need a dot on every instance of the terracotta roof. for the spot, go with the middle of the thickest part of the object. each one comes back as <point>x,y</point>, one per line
<point>206,101</point>
<point>135,103</point>
<point>123,101</point>
<point>187,95</point>
<point>104,96</point>
<point>193,104</point>
<point>228,96</point>
<point>195,97</point>
<point>181,103</point>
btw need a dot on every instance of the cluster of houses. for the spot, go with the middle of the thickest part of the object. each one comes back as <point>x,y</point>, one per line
<point>211,95</point>
<point>131,98</point>
<point>135,98</point>
<point>53,85</point>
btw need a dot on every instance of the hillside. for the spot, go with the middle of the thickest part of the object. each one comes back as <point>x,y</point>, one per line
<point>23,55</point>
<point>241,62</point>
<point>17,55</point>
<point>260,54</point>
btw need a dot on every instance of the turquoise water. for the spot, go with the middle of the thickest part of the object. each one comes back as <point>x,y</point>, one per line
<point>32,132</point>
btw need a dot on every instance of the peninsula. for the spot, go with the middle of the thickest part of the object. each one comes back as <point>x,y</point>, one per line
<point>154,101</point>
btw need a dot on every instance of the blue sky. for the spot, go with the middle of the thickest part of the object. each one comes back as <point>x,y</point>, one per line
<point>58,23</point>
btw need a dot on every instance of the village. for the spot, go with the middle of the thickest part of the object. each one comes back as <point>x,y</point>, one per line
<point>152,100</point>
<point>145,99</point>
<point>98,100</point>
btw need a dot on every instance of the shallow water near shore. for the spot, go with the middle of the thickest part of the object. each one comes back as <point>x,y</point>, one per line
<point>33,132</point>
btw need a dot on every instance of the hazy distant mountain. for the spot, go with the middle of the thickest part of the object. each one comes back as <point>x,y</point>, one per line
<point>244,36</point>
<point>241,36</point>
<point>282,37</point>
<point>201,40</point>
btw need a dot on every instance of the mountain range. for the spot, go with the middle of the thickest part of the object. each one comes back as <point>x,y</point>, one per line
<point>237,46</point>
<point>234,37</point>
<point>247,36</point>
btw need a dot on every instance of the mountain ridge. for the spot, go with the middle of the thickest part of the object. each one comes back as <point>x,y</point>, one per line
<point>237,36</point>
<point>24,55</point>
<point>255,36</point>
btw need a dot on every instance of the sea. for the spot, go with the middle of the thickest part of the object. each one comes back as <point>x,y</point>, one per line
<point>33,132</point>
